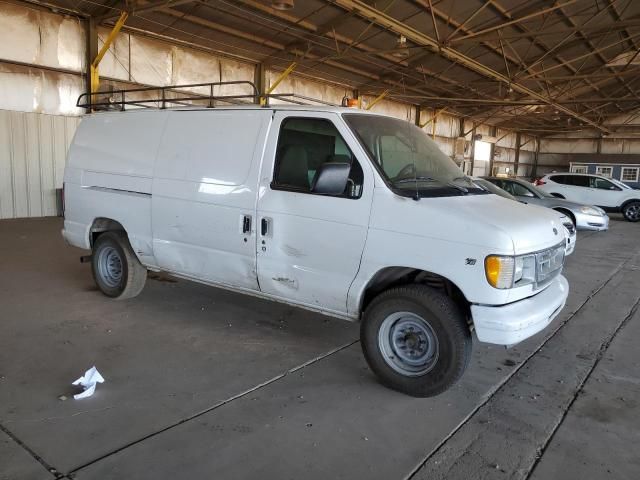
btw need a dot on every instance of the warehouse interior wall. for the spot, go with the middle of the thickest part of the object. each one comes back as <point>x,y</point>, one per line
<point>33,149</point>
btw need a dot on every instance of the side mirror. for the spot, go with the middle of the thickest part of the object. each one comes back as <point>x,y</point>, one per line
<point>331,178</point>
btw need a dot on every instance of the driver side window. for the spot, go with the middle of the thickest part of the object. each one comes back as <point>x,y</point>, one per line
<point>304,145</point>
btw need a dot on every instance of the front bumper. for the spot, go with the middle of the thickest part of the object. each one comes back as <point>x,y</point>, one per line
<point>571,244</point>
<point>510,324</point>
<point>592,222</point>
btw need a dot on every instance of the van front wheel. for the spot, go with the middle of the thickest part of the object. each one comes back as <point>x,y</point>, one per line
<point>416,340</point>
<point>116,269</point>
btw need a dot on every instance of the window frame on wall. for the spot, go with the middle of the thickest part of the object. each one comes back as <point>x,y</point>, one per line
<point>599,169</point>
<point>579,168</point>
<point>635,180</point>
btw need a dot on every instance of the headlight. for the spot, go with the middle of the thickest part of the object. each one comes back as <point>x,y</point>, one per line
<point>507,272</point>
<point>590,211</point>
<point>519,267</point>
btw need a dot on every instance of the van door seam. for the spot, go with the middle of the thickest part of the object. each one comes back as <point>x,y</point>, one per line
<point>258,184</point>
<point>153,182</point>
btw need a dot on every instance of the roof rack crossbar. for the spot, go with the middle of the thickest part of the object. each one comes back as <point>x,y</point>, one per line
<point>117,99</point>
<point>163,95</point>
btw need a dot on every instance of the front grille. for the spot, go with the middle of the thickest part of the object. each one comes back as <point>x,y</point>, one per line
<point>570,226</point>
<point>549,264</point>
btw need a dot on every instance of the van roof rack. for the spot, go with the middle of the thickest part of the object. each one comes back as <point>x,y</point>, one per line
<point>189,95</point>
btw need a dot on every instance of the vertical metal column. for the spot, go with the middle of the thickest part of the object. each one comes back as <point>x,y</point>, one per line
<point>260,80</point>
<point>264,100</point>
<point>517,159</point>
<point>92,50</point>
<point>492,150</point>
<point>473,146</point>
<point>535,160</point>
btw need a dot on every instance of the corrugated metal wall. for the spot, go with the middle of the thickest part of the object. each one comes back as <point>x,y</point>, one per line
<point>33,149</point>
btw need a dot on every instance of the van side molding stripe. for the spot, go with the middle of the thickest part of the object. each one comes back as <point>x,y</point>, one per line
<point>118,190</point>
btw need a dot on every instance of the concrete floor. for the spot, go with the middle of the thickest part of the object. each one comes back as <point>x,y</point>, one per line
<point>201,382</point>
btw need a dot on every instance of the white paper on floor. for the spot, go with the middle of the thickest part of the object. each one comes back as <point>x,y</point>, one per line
<point>88,381</point>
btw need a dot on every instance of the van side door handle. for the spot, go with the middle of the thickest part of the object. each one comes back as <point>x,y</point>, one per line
<point>246,224</point>
<point>264,226</point>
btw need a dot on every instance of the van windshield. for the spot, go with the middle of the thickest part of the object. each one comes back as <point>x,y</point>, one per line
<point>408,159</point>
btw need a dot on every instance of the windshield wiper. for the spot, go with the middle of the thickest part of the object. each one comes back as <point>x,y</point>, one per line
<point>458,187</point>
<point>431,179</point>
<point>418,179</point>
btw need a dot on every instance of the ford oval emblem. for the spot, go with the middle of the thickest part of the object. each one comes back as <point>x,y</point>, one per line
<point>555,231</point>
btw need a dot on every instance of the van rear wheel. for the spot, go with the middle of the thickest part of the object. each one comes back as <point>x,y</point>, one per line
<point>116,269</point>
<point>416,340</point>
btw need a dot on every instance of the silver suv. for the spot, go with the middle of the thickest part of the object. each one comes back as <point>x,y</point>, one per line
<point>597,190</point>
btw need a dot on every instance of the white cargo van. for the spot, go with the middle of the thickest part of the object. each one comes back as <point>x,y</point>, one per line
<point>340,211</point>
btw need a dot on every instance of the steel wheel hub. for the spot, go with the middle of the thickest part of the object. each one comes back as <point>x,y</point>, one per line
<point>408,343</point>
<point>110,266</point>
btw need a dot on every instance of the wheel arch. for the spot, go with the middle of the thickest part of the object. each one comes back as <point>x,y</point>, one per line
<point>101,225</point>
<point>394,276</point>
<point>627,202</point>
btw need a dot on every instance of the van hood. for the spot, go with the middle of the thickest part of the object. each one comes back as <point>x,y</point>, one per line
<point>501,225</point>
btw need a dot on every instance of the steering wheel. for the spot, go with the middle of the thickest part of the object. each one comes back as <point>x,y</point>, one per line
<point>407,171</point>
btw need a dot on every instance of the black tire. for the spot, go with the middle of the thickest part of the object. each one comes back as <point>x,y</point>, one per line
<point>116,270</point>
<point>446,323</point>
<point>631,211</point>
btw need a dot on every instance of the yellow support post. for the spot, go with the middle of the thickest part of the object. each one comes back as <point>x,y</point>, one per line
<point>433,119</point>
<point>377,99</point>
<point>95,75</point>
<point>283,75</point>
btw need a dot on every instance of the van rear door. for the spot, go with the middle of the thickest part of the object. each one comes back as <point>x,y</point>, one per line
<point>204,194</point>
<point>309,244</point>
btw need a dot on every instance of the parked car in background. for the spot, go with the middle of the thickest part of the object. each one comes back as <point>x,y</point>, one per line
<point>566,221</point>
<point>584,217</point>
<point>593,190</point>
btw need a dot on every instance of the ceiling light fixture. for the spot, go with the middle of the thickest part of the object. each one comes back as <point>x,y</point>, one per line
<point>402,49</point>
<point>282,4</point>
